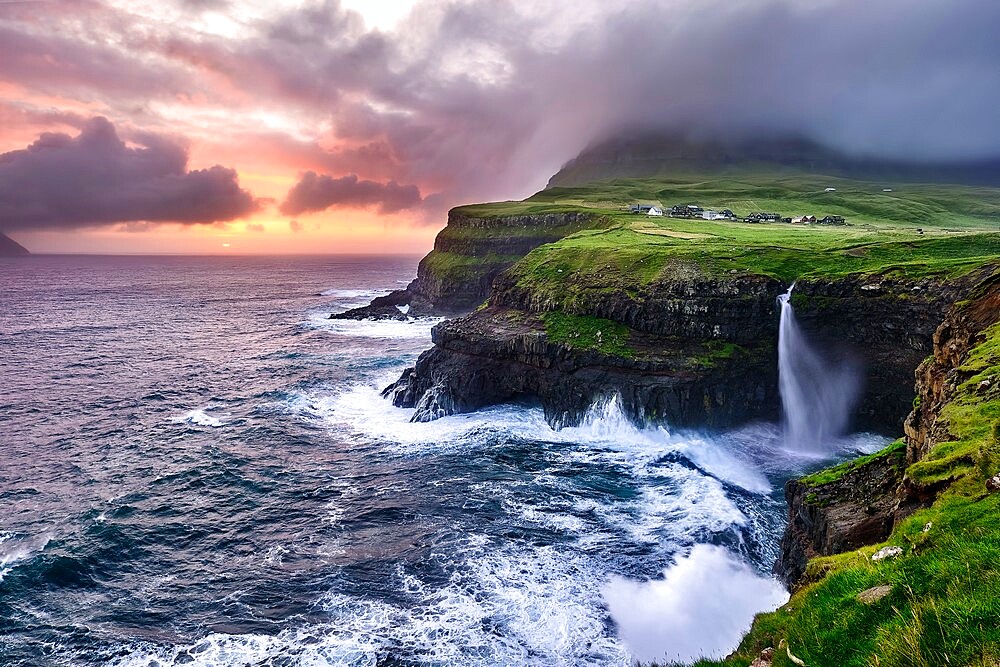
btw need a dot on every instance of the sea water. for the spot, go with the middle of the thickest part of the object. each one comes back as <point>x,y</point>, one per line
<point>196,469</point>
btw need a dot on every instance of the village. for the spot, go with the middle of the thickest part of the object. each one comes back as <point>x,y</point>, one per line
<point>693,211</point>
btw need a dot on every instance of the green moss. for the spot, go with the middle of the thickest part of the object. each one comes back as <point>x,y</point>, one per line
<point>838,471</point>
<point>717,351</point>
<point>455,267</point>
<point>588,333</point>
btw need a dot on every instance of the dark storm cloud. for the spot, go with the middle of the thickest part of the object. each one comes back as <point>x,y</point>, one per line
<point>62,182</point>
<point>899,79</point>
<point>477,99</point>
<point>316,193</point>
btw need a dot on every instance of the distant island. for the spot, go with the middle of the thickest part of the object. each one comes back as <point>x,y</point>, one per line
<point>11,248</point>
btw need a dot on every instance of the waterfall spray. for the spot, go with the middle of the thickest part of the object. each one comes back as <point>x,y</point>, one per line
<point>817,396</point>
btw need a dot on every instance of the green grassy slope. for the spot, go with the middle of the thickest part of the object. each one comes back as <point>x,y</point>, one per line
<point>914,231</point>
<point>908,205</point>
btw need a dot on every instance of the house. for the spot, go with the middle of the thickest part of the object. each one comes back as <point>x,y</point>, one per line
<point>886,189</point>
<point>763,217</point>
<point>832,220</point>
<point>830,190</point>
<point>685,211</point>
<point>804,220</point>
<point>653,210</point>
<point>725,214</point>
<point>643,209</point>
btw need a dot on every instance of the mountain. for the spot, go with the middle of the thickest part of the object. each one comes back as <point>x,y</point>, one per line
<point>642,155</point>
<point>11,248</point>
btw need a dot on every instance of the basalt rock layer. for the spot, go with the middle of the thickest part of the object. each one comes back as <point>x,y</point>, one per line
<point>697,350</point>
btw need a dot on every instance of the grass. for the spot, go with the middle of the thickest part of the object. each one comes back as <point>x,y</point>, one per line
<point>836,472</point>
<point>910,205</point>
<point>716,351</point>
<point>588,333</point>
<point>457,267</point>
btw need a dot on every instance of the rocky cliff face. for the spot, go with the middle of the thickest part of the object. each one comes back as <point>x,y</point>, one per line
<point>500,354</point>
<point>850,511</point>
<point>939,375</point>
<point>702,350</point>
<point>860,503</point>
<point>469,253</point>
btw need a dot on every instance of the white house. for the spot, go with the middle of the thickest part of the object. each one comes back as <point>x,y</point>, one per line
<point>831,189</point>
<point>655,210</point>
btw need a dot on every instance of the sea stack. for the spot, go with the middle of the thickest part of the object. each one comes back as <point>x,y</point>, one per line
<point>11,248</point>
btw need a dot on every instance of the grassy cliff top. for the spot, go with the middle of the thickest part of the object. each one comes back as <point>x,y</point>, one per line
<point>913,231</point>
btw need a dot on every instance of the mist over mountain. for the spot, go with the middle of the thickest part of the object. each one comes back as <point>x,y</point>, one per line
<point>640,154</point>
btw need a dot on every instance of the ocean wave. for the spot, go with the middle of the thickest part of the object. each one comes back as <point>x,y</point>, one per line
<point>540,606</point>
<point>201,418</point>
<point>15,550</point>
<point>414,328</point>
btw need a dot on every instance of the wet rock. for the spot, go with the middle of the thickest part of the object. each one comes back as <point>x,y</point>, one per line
<point>886,552</point>
<point>437,402</point>
<point>381,308</point>
<point>874,594</point>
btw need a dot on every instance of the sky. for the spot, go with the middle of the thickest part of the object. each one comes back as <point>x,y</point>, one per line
<point>325,126</point>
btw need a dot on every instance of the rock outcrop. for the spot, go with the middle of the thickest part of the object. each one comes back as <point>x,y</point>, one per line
<point>500,354</point>
<point>851,511</point>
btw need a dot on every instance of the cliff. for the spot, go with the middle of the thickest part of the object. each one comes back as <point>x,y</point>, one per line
<point>11,248</point>
<point>678,317</point>
<point>477,244</point>
<point>691,350</point>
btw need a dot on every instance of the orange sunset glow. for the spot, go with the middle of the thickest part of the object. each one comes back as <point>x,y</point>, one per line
<point>269,92</point>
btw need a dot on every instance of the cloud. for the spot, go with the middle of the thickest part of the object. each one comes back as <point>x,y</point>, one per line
<point>95,178</point>
<point>317,193</point>
<point>295,226</point>
<point>478,99</point>
<point>255,227</point>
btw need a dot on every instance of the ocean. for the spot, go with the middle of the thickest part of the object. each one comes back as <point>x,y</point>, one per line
<point>196,468</point>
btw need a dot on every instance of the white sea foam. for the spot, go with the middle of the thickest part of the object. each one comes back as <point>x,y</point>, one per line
<point>700,608</point>
<point>201,418</point>
<point>539,607</point>
<point>410,329</point>
<point>605,433</point>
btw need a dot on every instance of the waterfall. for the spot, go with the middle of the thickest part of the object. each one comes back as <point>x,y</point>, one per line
<point>817,395</point>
